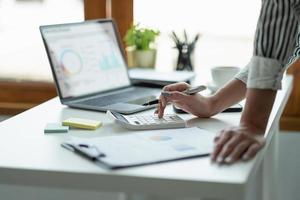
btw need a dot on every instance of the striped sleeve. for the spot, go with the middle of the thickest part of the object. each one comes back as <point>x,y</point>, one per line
<point>275,40</point>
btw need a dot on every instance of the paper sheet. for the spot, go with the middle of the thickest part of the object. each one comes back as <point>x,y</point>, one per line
<point>152,146</point>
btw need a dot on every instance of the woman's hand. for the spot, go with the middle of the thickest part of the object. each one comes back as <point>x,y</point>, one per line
<point>237,143</point>
<point>194,104</point>
<point>244,141</point>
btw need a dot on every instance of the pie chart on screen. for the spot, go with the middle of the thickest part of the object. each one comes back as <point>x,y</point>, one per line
<point>71,62</point>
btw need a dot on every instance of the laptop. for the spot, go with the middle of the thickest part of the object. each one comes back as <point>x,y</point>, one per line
<point>89,68</point>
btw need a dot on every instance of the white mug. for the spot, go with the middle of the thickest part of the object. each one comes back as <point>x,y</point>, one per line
<point>223,74</point>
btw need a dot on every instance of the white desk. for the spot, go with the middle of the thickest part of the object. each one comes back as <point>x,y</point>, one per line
<point>28,157</point>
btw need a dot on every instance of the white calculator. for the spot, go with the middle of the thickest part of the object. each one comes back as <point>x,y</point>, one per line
<point>143,122</point>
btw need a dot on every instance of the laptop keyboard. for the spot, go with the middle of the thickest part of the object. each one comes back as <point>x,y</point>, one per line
<point>116,98</point>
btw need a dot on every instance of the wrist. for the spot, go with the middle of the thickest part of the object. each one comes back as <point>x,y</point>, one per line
<point>257,109</point>
<point>257,127</point>
<point>204,108</point>
<point>216,104</point>
<point>213,104</point>
<point>252,128</point>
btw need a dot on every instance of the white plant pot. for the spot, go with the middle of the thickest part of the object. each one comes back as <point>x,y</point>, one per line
<point>141,58</point>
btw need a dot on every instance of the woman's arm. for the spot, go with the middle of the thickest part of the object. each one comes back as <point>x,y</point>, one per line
<point>230,94</point>
<point>199,105</point>
<point>274,42</point>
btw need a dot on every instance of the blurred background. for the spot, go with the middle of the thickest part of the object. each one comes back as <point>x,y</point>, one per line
<point>226,28</point>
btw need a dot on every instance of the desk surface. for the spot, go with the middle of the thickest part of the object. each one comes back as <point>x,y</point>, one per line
<point>30,157</point>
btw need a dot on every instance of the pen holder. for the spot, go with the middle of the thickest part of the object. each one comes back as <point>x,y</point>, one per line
<point>185,61</point>
<point>185,49</point>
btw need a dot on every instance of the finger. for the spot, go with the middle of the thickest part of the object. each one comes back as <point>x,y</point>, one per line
<point>252,150</point>
<point>238,151</point>
<point>160,110</point>
<point>219,145</point>
<point>161,106</point>
<point>229,147</point>
<point>163,101</point>
<point>176,87</point>
<point>176,96</point>
<point>216,139</point>
<point>221,134</point>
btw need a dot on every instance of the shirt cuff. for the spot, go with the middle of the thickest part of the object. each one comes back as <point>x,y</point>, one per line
<point>243,74</point>
<point>264,73</point>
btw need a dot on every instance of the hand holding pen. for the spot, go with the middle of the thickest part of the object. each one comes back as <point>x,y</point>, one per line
<point>188,91</point>
<point>194,104</point>
<point>197,105</point>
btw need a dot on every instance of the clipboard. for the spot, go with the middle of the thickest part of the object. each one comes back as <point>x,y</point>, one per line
<point>144,148</point>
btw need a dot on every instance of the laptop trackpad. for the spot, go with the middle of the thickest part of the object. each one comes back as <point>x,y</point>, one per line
<point>124,107</point>
<point>131,106</point>
<point>143,100</point>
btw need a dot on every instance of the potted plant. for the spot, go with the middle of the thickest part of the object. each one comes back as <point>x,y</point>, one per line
<point>140,48</point>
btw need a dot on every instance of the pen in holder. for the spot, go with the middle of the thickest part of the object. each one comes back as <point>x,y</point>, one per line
<point>185,50</point>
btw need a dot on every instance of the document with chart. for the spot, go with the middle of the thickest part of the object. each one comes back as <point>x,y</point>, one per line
<point>146,147</point>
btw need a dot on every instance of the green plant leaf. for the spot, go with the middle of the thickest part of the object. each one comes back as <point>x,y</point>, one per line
<point>140,38</point>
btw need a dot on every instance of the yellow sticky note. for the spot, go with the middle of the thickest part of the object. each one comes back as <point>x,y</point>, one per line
<point>82,123</point>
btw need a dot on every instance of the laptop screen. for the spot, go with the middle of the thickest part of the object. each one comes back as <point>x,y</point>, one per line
<point>85,57</point>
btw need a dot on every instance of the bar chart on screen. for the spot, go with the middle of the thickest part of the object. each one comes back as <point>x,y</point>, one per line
<point>87,62</point>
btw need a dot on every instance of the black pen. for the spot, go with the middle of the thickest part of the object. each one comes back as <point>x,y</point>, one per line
<point>189,91</point>
<point>151,102</point>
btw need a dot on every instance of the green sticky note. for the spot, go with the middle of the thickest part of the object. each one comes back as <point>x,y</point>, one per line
<point>55,128</point>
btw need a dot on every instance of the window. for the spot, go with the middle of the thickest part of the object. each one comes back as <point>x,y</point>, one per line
<point>227,29</point>
<point>22,54</point>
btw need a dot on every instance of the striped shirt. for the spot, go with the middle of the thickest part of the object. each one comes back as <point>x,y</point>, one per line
<point>276,44</point>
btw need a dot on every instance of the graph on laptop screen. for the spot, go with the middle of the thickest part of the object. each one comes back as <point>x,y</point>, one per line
<point>86,58</point>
